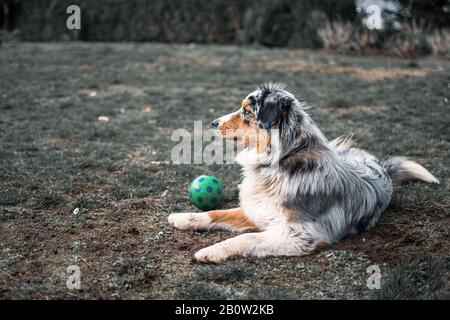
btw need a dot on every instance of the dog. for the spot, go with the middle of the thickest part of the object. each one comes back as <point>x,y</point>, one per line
<point>300,192</point>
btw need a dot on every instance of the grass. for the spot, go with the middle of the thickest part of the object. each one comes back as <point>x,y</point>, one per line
<point>202,291</point>
<point>56,156</point>
<point>425,278</point>
<point>230,272</point>
<point>12,197</point>
<point>48,199</point>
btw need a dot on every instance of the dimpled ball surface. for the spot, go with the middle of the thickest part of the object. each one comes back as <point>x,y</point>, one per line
<point>206,192</point>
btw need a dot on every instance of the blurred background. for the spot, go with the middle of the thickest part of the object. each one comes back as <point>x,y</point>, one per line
<point>395,27</point>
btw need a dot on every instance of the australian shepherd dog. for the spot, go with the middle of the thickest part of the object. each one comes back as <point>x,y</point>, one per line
<point>300,192</point>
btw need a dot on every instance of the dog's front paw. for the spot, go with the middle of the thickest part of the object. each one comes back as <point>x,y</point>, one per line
<point>181,221</point>
<point>212,254</point>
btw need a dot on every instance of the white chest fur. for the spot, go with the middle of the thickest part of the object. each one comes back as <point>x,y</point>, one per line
<point>260,206</point>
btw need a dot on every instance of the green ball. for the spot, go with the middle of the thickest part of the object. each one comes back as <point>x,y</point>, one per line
<point>206,192</point>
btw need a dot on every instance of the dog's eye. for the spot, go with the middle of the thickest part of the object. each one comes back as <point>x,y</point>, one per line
<point>246,112</point>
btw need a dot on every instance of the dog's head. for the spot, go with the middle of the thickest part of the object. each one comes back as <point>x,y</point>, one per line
<point>263,110</point>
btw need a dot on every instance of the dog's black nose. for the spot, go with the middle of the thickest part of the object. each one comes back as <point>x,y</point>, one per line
<point>215,123</point>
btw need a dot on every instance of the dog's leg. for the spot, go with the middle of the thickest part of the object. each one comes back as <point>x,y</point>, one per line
<point>267,243</point>
<point>231,219</point>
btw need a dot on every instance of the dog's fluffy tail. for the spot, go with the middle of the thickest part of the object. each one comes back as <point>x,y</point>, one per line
<point>401,170</point>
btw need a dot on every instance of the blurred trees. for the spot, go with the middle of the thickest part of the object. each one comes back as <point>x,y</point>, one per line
<point>294,23</point>
<point>273,23</point>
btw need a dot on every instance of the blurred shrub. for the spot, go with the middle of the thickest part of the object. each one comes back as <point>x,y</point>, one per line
<point>337,35</point>
<point>413,39</point>
<point>291,23</point>
<point>435,12</point>
<point>8,11</point>
<point>410,41</point>
<point>440,42</point>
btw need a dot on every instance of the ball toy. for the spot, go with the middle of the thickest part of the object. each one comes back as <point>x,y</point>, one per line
<point>206,192</point>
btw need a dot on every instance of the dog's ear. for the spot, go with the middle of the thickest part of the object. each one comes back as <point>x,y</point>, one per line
<point>272,109</point>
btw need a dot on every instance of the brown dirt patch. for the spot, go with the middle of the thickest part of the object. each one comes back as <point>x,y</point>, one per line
<point>368,74</point>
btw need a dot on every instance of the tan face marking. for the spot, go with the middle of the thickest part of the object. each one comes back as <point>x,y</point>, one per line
<point>235,121</point>
<point>242,127</point>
